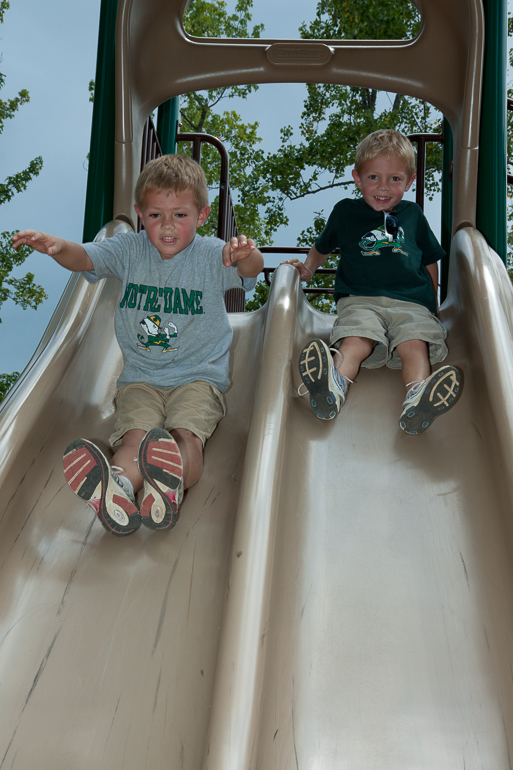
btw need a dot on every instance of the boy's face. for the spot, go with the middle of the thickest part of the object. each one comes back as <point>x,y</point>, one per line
<point>170,220</point>
<point>383,182</point>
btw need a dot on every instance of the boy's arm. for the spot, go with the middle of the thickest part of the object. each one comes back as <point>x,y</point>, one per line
<point>69,254</point>
<point>433,273</point>
<point>243,251</point>
<point>307,268</point>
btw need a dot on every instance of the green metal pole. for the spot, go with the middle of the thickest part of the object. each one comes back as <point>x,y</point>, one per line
<point>167,125</point>
<point>446,232</point>
<point>100,177</point>
<point>491,195</point>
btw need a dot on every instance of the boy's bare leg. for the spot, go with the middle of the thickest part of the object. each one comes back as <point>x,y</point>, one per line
<point>326,373</point>
<point>170,462</point>
<point>190,446</point>
<point>191,449</point>
<point>353,350</point>
<point>429,395</point>
<point>126,457</point>
<point>415,360</point>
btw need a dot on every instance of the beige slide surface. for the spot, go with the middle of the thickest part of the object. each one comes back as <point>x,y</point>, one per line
<point>335,596</point>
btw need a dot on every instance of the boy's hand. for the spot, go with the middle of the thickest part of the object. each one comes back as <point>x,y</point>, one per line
<point>236,249</point>
<point>304,272</point>
<point>42,242</point>
<point>69,254</point>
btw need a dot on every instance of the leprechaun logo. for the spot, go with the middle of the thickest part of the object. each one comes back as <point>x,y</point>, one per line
<point>375,240</point>
<point>157,336</point>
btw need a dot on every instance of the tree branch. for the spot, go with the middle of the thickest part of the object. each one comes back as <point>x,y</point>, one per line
<point>320,189</point>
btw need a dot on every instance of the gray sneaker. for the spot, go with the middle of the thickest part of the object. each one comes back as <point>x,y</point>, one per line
<point>91,478</point>
<point>427,400</point>
<point>327,388</point>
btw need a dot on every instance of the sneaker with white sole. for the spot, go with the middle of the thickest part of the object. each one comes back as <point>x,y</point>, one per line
<point>427,400</point>
<point>91,478</point>
<point>327,388</point>
<point>160,464</point>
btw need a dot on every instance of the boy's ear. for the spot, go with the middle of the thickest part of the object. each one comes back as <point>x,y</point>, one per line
<point>138,212</point>
<point>202,216</point>
<point>410,183</point>
<point>356,178</point>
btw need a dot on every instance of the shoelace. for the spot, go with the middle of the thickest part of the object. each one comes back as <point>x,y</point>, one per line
<point>116,472</point>
<point>413,386</point>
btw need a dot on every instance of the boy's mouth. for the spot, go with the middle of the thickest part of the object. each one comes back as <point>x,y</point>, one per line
<point>168,239</point>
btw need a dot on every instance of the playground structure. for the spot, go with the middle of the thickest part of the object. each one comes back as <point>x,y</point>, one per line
<point>333,596</point>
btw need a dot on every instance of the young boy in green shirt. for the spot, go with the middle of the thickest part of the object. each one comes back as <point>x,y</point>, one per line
<point>386,288</point>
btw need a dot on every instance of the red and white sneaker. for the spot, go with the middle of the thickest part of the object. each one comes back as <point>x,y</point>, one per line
<point>160,464</point>
<point>90,476</point>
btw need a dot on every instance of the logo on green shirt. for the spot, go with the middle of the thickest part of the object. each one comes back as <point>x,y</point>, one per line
<point>375,240</point>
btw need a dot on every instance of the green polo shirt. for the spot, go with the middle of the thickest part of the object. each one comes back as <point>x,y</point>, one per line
<point>372,266</point>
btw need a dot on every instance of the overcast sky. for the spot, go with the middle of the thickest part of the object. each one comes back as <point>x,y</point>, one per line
<point>49,48</point>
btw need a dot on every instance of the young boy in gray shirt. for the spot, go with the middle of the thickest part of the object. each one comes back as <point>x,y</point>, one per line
<point>175,336</point>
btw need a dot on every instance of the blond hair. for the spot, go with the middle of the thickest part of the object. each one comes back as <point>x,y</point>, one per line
<point>173,174</point>
<point>386,142</point>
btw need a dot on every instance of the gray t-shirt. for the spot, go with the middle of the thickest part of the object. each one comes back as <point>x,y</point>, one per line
<point>171,323</point>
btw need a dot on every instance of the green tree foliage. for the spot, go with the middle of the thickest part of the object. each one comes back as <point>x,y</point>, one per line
<point>260,296</point>
<point>323,302</point>
<point>6,382</point>
<point>257,212</point>
<point>22,291</point>
<point>336,118</point>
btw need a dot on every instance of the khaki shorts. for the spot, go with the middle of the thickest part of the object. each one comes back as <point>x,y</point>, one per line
<point>197,406</point>
<point>390,322</point>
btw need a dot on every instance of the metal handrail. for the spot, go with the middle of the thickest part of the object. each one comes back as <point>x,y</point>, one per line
<point>235,299</point>
<point>421,141</point>
<point>315,291</point>
<point>297,250</point>
<point>227,225</point>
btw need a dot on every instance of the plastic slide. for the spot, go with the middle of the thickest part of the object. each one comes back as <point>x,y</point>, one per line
<point>333,596</point>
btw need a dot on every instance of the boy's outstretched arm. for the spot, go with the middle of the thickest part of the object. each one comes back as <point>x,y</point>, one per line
<point>307,268</point>
<point>69,254</point>
<point>244,252</point>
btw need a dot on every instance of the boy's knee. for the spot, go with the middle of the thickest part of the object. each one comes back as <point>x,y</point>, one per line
<point>358,343</point>
<point>187,436</point>
<point>132,437</point>
<point>410,347</point>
